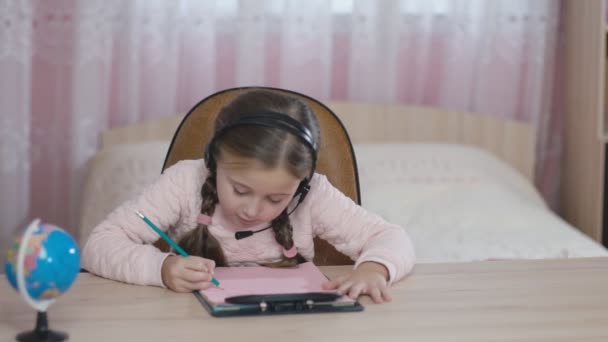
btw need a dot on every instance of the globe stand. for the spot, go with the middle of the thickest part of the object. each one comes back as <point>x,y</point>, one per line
<point>42,333</point>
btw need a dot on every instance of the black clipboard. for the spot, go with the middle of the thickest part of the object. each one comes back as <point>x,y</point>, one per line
<point>288,299</point>
<point>279,304</point>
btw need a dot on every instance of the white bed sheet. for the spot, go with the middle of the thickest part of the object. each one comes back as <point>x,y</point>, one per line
<point>460,203</point>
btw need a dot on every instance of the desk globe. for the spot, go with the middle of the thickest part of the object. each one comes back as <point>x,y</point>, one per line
<point>41,265</point>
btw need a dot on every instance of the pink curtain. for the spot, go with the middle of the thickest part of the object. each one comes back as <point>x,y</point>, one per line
<point>71,69</point>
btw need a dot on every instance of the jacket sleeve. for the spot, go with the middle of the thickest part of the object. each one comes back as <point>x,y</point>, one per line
<point>120,247</point>
<point>359,233</point>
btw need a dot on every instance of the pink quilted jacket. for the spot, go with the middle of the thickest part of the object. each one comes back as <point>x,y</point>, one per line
<point>120,247</point>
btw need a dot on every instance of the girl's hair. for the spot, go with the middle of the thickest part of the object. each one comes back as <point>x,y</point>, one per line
<point>273,147</point>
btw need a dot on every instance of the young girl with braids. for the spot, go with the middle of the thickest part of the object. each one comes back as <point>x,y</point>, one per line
<point>258,172</point>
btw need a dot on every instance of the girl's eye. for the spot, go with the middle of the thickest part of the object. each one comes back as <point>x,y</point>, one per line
<point>239,193</point>
<point>273,201</point>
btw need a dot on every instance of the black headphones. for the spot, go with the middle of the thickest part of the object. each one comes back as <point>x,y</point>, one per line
<point>272,120</point>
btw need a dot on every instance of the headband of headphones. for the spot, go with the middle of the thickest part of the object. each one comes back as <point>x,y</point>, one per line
<point>272,120</point>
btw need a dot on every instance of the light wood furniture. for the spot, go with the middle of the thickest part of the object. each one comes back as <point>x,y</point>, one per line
<point>509,140</point>
<point>543,300</point>
<point>584,104</point>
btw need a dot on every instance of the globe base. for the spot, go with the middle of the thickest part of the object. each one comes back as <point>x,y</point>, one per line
<point>48,336</point>
<point>42,333</point>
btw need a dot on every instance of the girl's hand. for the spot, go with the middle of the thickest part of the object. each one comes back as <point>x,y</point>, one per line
<point>370,278</point>
<point>186,274</point>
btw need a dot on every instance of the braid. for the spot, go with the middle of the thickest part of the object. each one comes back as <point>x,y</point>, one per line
<point>199,241</point>
<point>283,233</point>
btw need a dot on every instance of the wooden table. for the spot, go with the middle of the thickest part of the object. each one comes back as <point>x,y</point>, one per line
<point>545,300</point>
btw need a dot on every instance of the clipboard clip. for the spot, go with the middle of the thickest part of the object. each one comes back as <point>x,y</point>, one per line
<point>285,302</point>
<point>284,306</point>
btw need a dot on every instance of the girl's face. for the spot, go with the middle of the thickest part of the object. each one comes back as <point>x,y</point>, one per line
<point>251,194</point>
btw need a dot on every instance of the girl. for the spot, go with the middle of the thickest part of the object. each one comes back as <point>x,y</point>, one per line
<point>257,170</point>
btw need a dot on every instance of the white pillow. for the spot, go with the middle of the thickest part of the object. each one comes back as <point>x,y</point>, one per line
<point>438,167</point>
<point>117,174</point>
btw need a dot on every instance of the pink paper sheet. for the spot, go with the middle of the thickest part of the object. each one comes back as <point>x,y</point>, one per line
<point>237,281</point>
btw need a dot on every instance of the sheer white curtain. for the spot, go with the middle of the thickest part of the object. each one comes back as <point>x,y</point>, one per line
<point>71,69</point>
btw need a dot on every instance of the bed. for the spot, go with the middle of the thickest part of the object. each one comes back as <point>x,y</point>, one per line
<point>459,183</point>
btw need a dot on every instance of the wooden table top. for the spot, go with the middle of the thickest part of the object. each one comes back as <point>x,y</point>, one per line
<point>541,300</point>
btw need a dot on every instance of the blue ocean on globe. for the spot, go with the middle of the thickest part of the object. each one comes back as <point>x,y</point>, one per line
<point>52,262</point>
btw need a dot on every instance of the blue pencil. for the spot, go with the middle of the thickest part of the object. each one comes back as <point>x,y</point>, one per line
<point>170,241</point>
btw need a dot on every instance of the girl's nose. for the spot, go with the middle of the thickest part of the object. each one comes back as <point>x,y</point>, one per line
<point>251,210</point>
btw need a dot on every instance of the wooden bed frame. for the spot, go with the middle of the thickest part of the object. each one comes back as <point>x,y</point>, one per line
<point>509,140</point>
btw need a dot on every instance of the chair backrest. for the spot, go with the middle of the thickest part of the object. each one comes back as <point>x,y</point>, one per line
<point>336,157</point>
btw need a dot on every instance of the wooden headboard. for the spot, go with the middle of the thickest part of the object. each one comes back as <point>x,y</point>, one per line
<point>509,140</point>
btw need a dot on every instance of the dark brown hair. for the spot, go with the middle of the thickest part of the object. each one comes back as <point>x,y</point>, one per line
<point>273,147</point>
